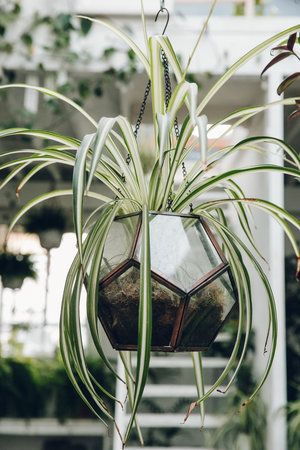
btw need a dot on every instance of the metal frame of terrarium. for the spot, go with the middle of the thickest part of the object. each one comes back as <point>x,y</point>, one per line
<point>209,277</point>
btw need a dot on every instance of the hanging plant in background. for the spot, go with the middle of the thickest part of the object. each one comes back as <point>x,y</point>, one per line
<point>14,269</point>
<point>162,232</point>
<point>49,223</point>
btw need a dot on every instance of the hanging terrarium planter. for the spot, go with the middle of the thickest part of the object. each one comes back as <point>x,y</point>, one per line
<point>14,268</point>
<point>192,287</point>
<point>49,223</point>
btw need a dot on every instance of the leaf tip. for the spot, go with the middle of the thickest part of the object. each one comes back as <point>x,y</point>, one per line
<point>191,407</point>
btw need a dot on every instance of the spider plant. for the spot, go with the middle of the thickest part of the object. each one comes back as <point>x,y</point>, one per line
<point>110,155</point>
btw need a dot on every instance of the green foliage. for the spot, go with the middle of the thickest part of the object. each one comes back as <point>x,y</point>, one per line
<point>16,265</point>
<point>60,27</point>
<point>243,418</point>
<point>239,8</point>
<point>292,329</point>
<point>40,388</point>
<point>9,12</point>
<point>293,416</point>
<point>46,218</point>
<point>85,26</point>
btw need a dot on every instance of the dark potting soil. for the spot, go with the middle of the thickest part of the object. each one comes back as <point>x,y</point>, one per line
<point>204,315</point>
<point>119,302</point>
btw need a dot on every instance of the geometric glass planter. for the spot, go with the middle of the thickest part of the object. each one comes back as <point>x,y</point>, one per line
<point>193,291</point>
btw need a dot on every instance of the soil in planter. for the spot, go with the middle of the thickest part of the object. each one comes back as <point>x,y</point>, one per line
<point>118,308</point>
<point>206,312</point>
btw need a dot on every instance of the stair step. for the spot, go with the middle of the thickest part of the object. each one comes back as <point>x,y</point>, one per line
<point>176,421</point>
<point>176,391</point>
<point>170,448</point>
<point>183,362</point>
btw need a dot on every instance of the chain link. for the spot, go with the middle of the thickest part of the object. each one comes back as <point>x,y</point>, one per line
<point>142,109</point>
<point>140,116</point>
<point>168,94</point>
<point>184,172</point>
<point>168,88</point>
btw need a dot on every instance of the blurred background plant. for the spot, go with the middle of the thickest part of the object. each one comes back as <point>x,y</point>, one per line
<point>59,28</point>
<point>14,268</point>
<point>293,415</point>
<point>246,425</point>
<point>293,354</point>
<point>32,388</point>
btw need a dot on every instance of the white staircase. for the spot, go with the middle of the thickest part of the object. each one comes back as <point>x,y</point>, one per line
<point>183,364</point>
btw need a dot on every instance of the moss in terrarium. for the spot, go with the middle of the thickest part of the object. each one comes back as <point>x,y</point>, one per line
<point>119,303</point>
<point>206,312</point>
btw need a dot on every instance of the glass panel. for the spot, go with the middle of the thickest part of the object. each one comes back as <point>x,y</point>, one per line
<point>181,251</point>
<point>206,312</point>
<point>119,243</point>
<point>118,307</point>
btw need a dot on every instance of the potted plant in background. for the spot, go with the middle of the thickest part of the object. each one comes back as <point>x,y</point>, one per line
<point>142,213</point>
<point>293,354</point>
<point>14,268</point>
<point>245,428</point>
<point>49,223</point>
<point>293,416</point>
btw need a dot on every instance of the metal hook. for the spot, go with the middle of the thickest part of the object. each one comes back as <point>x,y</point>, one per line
<point>163,9</point>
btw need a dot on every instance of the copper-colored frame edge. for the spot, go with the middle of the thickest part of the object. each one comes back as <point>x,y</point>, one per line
<point>117,271</point>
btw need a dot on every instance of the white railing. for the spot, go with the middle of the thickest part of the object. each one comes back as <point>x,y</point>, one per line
<point>249,5</point>
<point>119,7</point>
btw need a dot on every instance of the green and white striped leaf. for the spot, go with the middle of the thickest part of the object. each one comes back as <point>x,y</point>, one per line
<point>199,379</point>
<point>145,320</point>
<point>78,186</point>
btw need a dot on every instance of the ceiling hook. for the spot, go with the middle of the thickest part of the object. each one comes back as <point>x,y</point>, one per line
<point>163,9</point>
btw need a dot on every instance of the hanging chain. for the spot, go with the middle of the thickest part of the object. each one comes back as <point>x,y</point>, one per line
<point>142,109</point>
<point>140,116</point>
<point>168,88</point>
<point>168,95</point>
